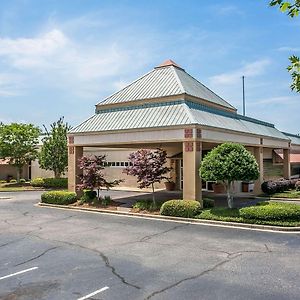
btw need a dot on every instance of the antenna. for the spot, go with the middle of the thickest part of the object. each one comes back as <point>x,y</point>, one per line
<point>244,103</point>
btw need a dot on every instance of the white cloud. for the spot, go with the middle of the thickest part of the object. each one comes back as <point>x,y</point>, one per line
<point>248,70</point>
<point>226,10</point>
<point>289,49</point>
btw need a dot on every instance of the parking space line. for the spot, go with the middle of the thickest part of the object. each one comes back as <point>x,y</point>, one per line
<point>17,273</point>
<point>94,293</point>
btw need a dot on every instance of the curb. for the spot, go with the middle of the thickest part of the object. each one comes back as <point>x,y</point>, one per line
<point>279,199</point>
<point>179,219</point>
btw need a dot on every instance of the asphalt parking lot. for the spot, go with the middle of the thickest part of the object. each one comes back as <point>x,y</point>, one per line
<point>59,254</point>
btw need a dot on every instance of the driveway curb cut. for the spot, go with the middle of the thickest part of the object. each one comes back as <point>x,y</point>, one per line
<point>180,220</point>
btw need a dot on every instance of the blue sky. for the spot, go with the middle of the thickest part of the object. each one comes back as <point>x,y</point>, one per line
<point>59,58</point>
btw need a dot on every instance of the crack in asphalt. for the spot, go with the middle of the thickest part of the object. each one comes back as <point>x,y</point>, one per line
<point>230,256</point>
<point>12,242</point>
<point>146,238</point>
<point>188,278</point>
<point>99,253</point>
<point>36,257</point>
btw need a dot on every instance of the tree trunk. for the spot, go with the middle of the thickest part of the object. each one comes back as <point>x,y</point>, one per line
<point>229,195</point>
<point>19,173</point>
<point>153,196</point>
<point>56,174</point>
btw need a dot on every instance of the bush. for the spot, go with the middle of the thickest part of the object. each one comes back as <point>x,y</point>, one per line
<point>208,203</point>
<point>272,211</point>
<point>147,205</point>
<point>50,182</point>
<point>279,186</point>
<point>106,200</point>
<point>180,208</point>
<point>297,186</point>
<point>59,197</point>
<point>3,181</point>
<point>37,182</point>
<point>22,180</point>
<point>13,181</point>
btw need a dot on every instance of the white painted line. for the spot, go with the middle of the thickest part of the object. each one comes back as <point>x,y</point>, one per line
<point>17,273</point>
<point>94,293</point>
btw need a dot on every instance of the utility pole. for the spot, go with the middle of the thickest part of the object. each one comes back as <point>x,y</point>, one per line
<point>244,103</point>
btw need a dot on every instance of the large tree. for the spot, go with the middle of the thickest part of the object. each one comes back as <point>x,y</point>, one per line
<point>149,167</point>
<point>18,144</point>
<point>227,163</point>
<point>54,151</point>
<point>93,177</point>
<point>292,8</point>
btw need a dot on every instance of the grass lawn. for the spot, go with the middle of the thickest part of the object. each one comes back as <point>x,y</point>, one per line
<point>278,214</point>
<point>287,194</point>
<point>13,187</point>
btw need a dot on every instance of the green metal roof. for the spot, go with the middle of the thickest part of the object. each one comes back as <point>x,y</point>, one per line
<point>295,139</point>
<point>174,113</point>
<point>165,80</point>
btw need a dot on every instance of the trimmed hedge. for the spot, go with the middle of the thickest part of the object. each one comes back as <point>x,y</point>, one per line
<point>59,197</point>
<point>297,186</point>
<point>271,187</point>
<point>208,203</point>
<point>50,182</point>
<point>274,211</point>
<point>180,208</point>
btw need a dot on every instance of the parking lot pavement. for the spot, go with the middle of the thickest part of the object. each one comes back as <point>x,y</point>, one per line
<point>54,254</point>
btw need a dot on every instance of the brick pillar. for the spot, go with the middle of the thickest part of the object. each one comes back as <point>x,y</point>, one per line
<point>286,164</point>
<point>192,189</point>
<point>75,152</point>
<point>259,156</point>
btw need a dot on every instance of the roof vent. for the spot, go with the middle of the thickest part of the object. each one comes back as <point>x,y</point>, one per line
<point>168,63</point>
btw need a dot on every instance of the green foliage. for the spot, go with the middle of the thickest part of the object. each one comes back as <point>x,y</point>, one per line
<point>294,69</point>
<point>147,205</point>
<point>106,200</point>
<point>278,214</point>
<point>180,208</point>
<point>272,211</point>
<point>18,144</point>
<point>54,151</point>
<point>50,182</point>
<point>297,186</point>
<point>22,180</point>
<point>208,203</point>
<point>292,9</point>
<point>88,196</point>
<point>3,181</point>
<point>13,181</point>
<point>59,197</point>
<point>37,182</point>
<point>229,162</point>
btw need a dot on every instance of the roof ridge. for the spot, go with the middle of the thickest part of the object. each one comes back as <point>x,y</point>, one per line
<point>125,87</point>
<point>178,79</point>
<point>208,89</point>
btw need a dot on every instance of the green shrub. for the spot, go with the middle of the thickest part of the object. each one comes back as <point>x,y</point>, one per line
<point>147,205</point>
<point>3,181</point>
<point>13,181</point>
<point>106,200</point>
<point>59,197</point>
<point>50,182</point>
<point>272,211</point>
<point>180,208</point>
<point>208,203</point>
<point>37,182</point>
<point>22,180</point>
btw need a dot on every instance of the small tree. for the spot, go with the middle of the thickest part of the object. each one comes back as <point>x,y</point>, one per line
<point>227,163</point>
<point>93,177</point>
<point>148,167</point>
<point>54,151</point>
<point>18,144</point>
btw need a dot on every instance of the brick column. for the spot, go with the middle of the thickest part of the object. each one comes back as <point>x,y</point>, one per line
<point>286,164</point>
<point>192,152</point>
<point>74,153</point>
<point>259,156</point>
